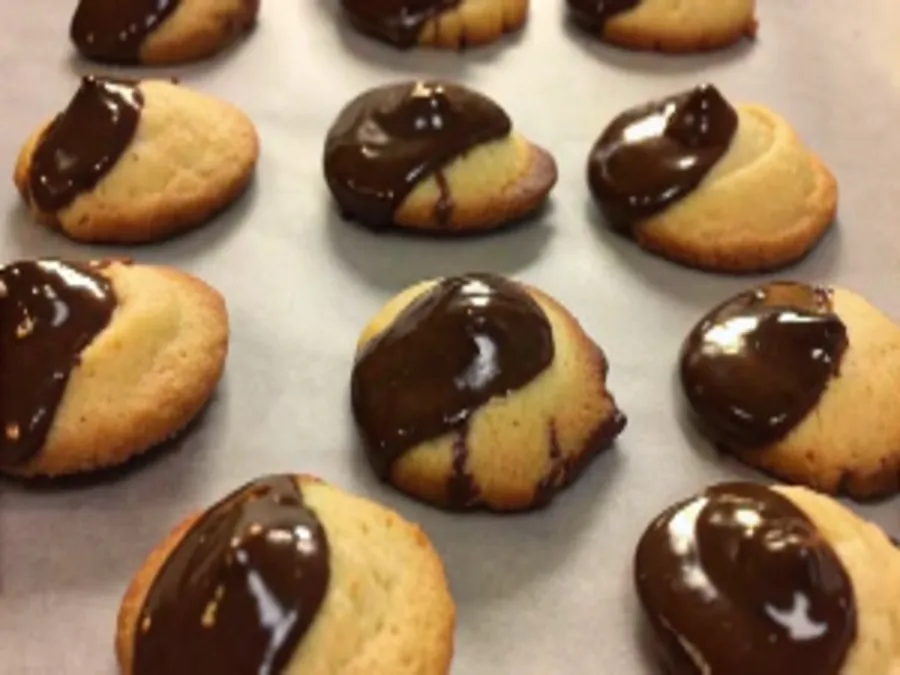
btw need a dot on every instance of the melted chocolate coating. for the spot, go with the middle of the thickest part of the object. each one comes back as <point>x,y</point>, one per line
<point>593,14</point>
<point>240,590</point>
<point>755,366</point>
<point>653,155</point>
<point>457,346</point>
<point>397,22</point>
<point>82,144</point>
<point>113,31</point>
<point>49,312</point>
<point>740,580</point>
<point>389,139</point>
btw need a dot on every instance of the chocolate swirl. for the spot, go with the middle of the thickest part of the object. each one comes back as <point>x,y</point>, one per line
<point>755,366</point>
<point>458,345</point>
<point>397,22</point>
<point>653,155</point>
<point>593,14</point>
<point>50,311</point>
<point>389,139</point>
<point>82,144</point>
<point>241,588</point>
<point>738,581</point>
<point>113,31</point>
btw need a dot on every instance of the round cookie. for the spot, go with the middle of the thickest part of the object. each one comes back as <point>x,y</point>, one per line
<point>159,32</point>
<point>476,391</point>
<point>444,159</point>
<point>362,593</point>
<point>719,188</point>
<point>745,579</point>
<point>800,382</point>
<point>143,161</point>
<point>666,26</point>
<point>447,24</point>
<point>103,362</point>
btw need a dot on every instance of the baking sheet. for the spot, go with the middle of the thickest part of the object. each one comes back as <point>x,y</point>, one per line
<point>537,594</point>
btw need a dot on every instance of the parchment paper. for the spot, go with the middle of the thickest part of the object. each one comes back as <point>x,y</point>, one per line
<point>538,594</point>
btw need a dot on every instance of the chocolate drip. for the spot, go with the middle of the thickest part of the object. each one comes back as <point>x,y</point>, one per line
<point>240,590</point>
<point>114,31</point>
<point>463,342</point>
<point>654,155</point>
<point>50,312</point>
<point>593,14</point>
<point>738,581</point>
<point>756,365</point>
<point>462,492</point>
<point>82,144</point>
<point>391,138</point>
<point>397,22</point>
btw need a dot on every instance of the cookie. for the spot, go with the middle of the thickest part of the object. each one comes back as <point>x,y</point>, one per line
<point>801,382</point>
<point>433,156</point>
<point>101,361</point>
<point>476,391</point>
<point>745,579</point>
<point>135,162</point>
<point>448,24</point>
<point>719,188</point>
<point>159,32</point>
<point>666,26</point>
<point>289,575</point>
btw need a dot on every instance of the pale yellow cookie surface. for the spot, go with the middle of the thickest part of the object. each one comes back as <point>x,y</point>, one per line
<point>528,445</point>
<point>198,29</point>
<point>765,204</point>
<point>873,564</point>
<point>143,378</point>
<point>682,25</point>
<point>192,155</point>
<point>387,611</point>
<point>492,185</point>
<point>850,442</point>
<point>474,22</point>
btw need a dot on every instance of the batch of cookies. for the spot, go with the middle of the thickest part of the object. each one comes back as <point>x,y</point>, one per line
<point>469,392</point>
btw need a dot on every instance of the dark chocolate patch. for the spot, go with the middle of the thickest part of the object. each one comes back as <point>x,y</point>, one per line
<point>389,139</point>
<point>50,311</point>
<point>593,14</point>
<point>240,590</point>
<point>460,344</point>
<point>397,22</point>
<point>82,144</point>
<point>739,581</point>
<point>114,31</point>
<point>654,155</point>
<point>755,366</point>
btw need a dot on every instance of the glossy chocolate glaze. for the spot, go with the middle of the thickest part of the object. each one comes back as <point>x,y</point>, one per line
<point>398,22</point>
<point>651,156</point>
<point>458,345</point>
<point>738,581</point>
<point>113,31</point>
<point>82,144</point>
<point>389,139</point>
<point>755,366</point>
<point>593,14</point>
<point>49,312</point>
<point>240,589</point>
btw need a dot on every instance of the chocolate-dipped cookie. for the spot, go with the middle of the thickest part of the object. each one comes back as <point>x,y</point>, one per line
<point>800,381</point>
<point>721,188</point>
<point>743,579</point>
<point>133,162</point>
<point>101,361</point>
<point>448,24</point>
<point>477,391</point>
<point>433,156</point>
<point>158,32</point>
<point>289,575</point>
<point>661,25</point>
